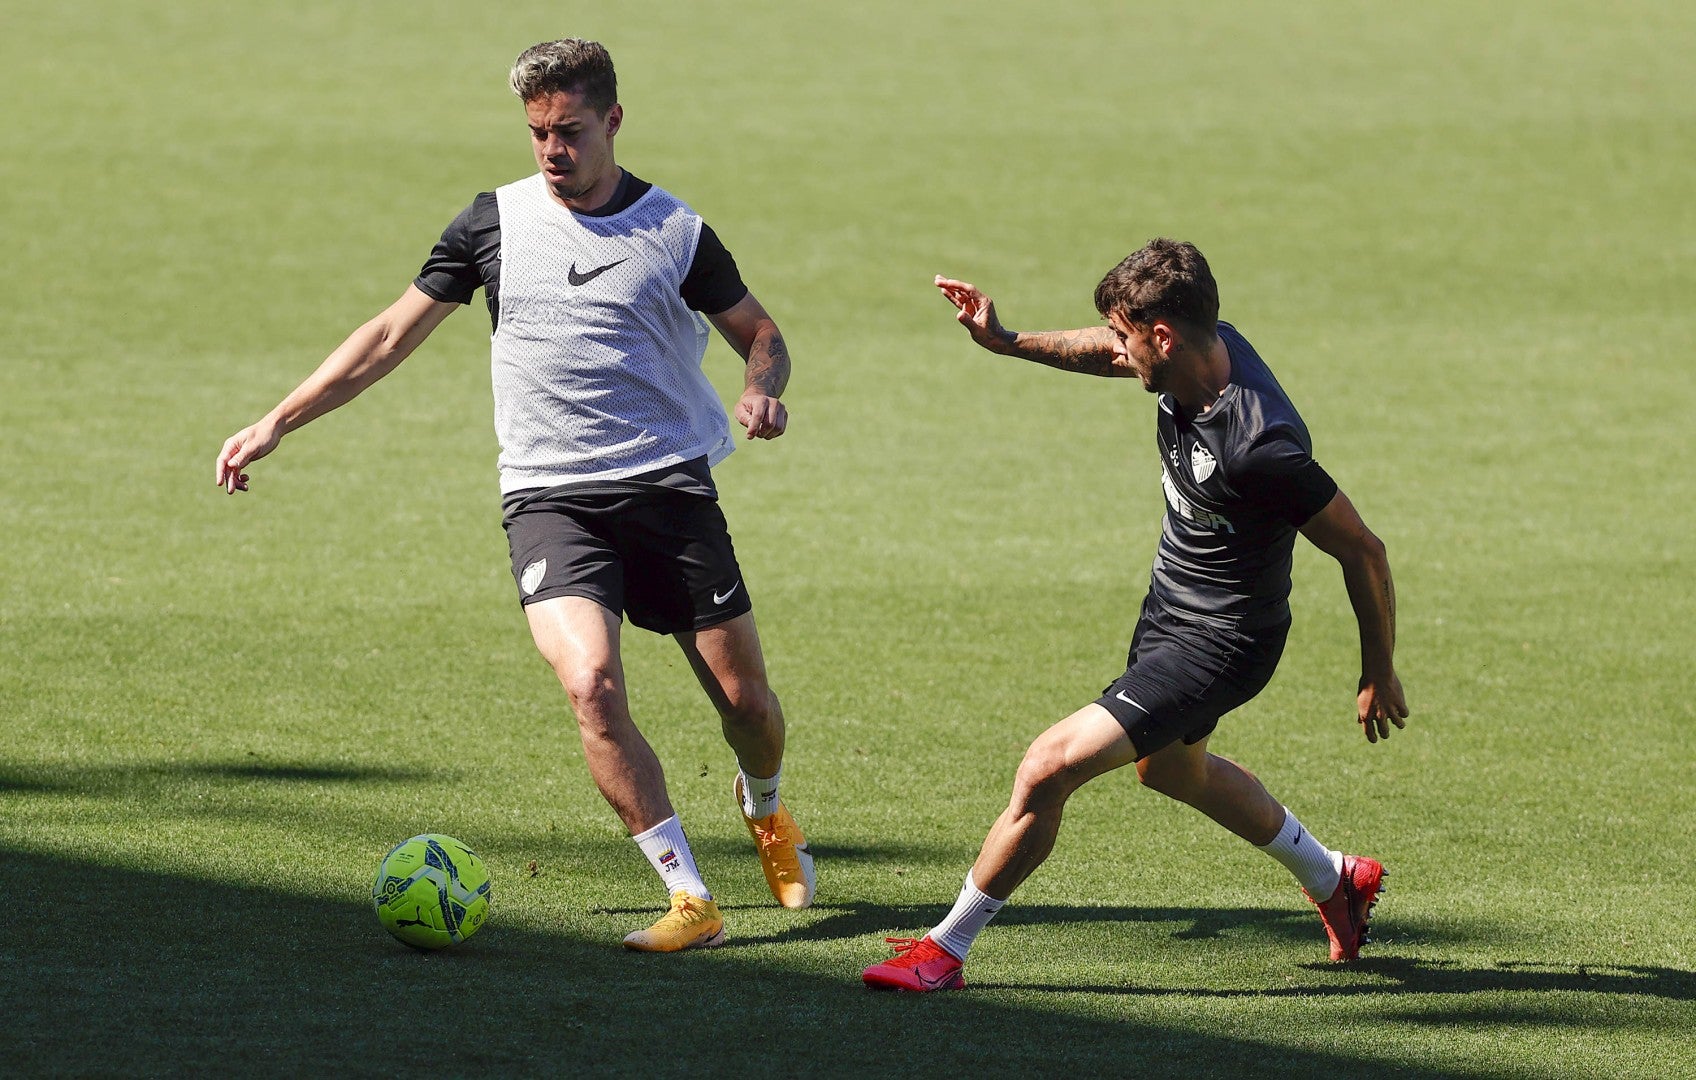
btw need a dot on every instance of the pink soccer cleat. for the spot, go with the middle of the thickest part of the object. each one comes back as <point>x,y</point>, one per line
<point>1346,913</point>
<point>919,966</point>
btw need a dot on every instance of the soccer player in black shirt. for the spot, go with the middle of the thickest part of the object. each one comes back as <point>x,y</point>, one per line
<point>1240,480</point>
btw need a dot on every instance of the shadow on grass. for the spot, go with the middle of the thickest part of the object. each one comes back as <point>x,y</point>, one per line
<point>298,773</point>
<point>119,971</point>
<point>910,853</point>
<point>1411,975</point>
<point>29,781</point>
<point>114,779</point>
<point>843,921</point>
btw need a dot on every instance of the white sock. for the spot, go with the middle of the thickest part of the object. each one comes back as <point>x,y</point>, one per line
<point>759,797</point>
<point>1318,868</point>
<point>668,851</point>
<point>971,914</point>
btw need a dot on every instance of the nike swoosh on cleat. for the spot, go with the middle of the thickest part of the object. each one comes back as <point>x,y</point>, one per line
<point>933,983</point>
<point>583,279</point>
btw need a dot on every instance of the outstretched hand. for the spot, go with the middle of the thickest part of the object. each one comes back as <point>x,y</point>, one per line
<point>240,450</point>
<point>976,313</point>
<point>1381,703</point>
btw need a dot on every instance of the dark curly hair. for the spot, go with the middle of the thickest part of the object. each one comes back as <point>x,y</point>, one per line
<point>1164,279</point>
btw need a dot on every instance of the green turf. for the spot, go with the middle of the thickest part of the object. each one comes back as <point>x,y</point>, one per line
<point>1462,234</point>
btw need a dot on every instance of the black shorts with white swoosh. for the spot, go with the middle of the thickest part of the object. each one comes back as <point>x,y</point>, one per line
<point>662,557</point>
<point>1182,675</point>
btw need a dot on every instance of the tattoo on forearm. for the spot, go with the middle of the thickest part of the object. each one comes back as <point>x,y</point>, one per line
<point>768,365</point>
<point>1088,350</point>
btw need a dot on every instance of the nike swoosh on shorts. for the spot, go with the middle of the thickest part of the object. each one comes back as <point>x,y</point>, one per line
<point>1128,700</point>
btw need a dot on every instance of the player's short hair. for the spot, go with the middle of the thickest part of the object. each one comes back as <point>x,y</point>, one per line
<point>569,65</point>
<point>1164,279</point>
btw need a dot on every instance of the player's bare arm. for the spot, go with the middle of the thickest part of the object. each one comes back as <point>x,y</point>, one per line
<point>1087,350</point>
<point>754,335</point>
<point>368,354</point>
<point>1339,532</point>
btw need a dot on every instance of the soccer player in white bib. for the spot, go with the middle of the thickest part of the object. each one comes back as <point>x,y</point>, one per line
<point>600,287</point>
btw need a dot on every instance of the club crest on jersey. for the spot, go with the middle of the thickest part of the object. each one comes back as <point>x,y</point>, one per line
<point>1202,462</point>
<point>533,575</point>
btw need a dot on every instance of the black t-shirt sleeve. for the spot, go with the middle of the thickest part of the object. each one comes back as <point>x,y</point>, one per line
<point>455,268</point>
<point>1278,474</point>
<point>713,283</point>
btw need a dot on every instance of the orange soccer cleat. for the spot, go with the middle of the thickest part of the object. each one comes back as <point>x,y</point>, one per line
<point>784,856</point>
<point>692,923</point>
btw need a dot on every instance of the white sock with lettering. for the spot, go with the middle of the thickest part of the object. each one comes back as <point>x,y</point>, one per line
<point>668,851</point>
<point>1318,868</point>
<point>759,797</point>
<point>972,912</point>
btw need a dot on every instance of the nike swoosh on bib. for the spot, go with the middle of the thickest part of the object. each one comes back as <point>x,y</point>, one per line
<point>583,279</point>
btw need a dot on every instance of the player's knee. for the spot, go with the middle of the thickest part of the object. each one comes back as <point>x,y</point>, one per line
<point>1045,778</point>
<point>594,692</point>
<point>749,705</point>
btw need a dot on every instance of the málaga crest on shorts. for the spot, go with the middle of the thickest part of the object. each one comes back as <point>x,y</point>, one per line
<point>533,575</point>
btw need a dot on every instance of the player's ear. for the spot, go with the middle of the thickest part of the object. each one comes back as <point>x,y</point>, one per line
<point>1164,337</point>
<point>615,118</point>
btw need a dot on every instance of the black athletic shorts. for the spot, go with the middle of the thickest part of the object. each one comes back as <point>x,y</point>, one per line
<point>1182,675</point>
<point>661,557</point>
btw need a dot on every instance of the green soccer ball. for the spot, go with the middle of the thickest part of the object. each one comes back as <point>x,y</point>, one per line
<point>431,891</point>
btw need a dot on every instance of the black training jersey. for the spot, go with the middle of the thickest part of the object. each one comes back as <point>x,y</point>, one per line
<point>1239,479</point>
<point>468,257</point>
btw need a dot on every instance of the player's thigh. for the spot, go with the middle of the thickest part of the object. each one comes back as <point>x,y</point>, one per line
<point>579,638</point>
<point>727,659</point>
<point>1076,750</point>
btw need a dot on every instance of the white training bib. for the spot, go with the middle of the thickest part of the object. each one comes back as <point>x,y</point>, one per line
<point>596,361</point>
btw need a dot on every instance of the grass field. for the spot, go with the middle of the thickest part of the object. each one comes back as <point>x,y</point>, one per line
<point>1463,234</point>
